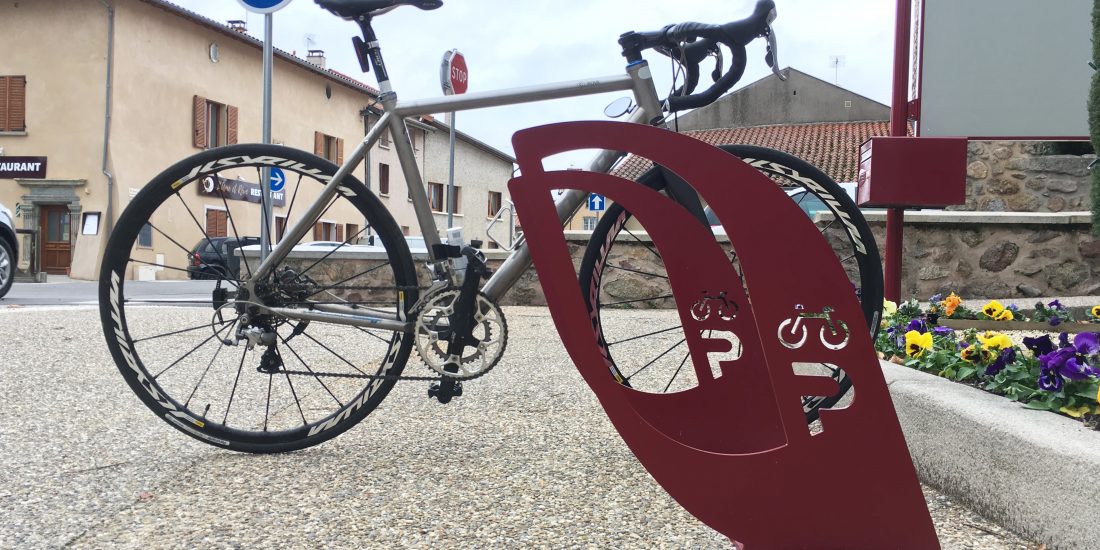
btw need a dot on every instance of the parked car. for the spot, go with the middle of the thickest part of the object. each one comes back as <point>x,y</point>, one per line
<point>215,258</point>
<point>9,250</point>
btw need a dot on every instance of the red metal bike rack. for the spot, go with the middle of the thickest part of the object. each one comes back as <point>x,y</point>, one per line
<point>735,451</point>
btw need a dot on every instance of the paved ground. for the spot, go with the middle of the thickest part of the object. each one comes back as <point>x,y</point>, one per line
<point>525,459</point>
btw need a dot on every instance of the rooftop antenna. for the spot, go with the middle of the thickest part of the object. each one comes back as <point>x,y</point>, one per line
<point>836,62</point>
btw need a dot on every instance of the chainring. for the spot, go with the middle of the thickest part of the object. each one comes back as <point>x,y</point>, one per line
<point>433,324</point>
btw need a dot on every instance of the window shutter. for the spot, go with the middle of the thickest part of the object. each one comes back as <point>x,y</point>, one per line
<point>198,127</point>
<point>17,103</point>
<point>317,231</point>
<point>318,143</point>
<point>340,151</point>
<point>339,232</point>
<point>231,123</point>
<point>5,84</point>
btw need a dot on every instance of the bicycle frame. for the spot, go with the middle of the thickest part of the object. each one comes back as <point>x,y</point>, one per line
<point>638,79</point>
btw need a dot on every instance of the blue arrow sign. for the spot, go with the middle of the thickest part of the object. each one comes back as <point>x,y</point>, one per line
<point>596,202</point>
<point>264,6</point>
<point>278,180</point>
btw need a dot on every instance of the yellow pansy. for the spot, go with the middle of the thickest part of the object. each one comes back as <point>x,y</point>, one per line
<point>1005,315</point>
<point>1096,311</point>
<point>976,354</point>
<point>916,343</point>
<point>889,308</point>
<point>950,303</point>
<point>994,340</point>
<point>1076,412</point>
<point>993,309</point>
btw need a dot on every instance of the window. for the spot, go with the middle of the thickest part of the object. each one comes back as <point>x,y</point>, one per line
<point>214,124</point>
<point>384,139</point>
<point>495,203</point>
<point>13,103</point>
<point>404,230</point>
<point>217,223</point>
<point>57,226</point>
<point>328,231</point>
<point>384,179</point>
<point>590,223</point>
<point>329,147</point>
<point>145,237</point>
<point>280,227</point>
<point>352,231</point>
<point>435,196</point>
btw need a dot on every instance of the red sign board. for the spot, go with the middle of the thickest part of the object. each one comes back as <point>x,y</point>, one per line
<point>454,75</point>
<point>928,172</point>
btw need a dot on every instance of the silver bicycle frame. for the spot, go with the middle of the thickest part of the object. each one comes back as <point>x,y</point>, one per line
<point>638,79</point>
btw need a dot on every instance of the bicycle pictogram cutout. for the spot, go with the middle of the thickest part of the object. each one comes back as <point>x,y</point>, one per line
<point>792,333</point>
<point>719,305</point>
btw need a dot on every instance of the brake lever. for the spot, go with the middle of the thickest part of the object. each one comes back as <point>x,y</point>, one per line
<point>772,56</point>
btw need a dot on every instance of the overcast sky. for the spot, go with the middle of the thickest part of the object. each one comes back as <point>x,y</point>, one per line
<point>514,43</point>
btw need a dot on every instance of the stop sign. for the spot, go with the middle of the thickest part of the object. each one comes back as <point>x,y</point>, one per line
<point>453,74</point>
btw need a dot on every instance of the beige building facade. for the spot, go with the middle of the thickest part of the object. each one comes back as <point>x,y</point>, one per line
<point>110,93</point>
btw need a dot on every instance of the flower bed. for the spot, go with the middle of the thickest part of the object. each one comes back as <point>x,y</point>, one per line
<point>1042,373</point>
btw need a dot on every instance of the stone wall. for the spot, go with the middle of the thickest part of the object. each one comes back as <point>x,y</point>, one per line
<point>1016,176</point>
<point>1002,255</point>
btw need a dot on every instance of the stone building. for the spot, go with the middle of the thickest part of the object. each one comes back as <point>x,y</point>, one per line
<point>110,93</point>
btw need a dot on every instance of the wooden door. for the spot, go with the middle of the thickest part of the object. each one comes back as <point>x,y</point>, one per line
<point>57,250</point>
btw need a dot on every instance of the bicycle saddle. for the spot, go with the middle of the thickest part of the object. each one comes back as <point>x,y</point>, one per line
<point>353,9</point>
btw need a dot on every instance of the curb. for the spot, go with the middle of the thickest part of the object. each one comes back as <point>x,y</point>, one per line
<point>1031,471</point>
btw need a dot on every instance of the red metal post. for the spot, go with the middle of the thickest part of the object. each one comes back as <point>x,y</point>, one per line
<point>899,118</point>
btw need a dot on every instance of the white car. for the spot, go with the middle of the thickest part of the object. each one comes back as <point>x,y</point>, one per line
<point>9,248</point>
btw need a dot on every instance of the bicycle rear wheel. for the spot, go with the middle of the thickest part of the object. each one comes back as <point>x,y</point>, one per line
<point>214,364</point>
<point>651,357</point>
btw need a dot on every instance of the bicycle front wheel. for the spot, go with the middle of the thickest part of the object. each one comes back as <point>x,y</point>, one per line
<point>652,357</point>
<point>213,361</point>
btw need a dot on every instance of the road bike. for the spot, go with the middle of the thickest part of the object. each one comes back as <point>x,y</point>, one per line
<point>303,345</point>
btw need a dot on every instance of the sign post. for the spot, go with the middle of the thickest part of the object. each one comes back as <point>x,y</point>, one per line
<point>266,7</point>
<point>454,77</point>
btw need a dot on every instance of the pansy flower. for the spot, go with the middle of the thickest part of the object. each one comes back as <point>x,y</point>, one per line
<point>1039,346</point>
<point>976,354</point>
<point>994,340</point>
<point>941,331</point>
<point>918,325</point>
<point>1055,305</point>
<point>1096,311</point>
<point>993,309</point>
<point>888,308</point>
<point>1050,380</point>
<point>1007,357</point>
<point>1005,315</point>
<point>916,343</point>
<point>950,303</point>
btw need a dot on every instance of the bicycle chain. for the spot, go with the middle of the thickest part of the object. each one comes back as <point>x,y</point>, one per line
<point>381,376</point>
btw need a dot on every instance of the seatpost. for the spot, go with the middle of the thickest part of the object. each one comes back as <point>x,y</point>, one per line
<point>368,51</point>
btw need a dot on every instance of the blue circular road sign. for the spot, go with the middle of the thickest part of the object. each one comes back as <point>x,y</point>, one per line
<point>264,6</point>
<point>278,180</point>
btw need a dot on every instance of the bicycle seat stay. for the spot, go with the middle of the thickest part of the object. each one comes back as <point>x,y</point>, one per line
<point>354,9</point>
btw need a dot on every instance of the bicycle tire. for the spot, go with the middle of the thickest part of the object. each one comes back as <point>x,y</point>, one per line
<point>188,392</point>
<point>863,265</point>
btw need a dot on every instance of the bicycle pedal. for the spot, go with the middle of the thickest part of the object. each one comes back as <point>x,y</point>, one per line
<point>435,390</point>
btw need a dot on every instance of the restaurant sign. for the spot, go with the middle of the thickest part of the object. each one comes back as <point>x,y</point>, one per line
<point>22,167</point>
<point>238,190</point>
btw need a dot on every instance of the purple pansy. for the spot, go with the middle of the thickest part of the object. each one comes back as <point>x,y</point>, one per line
<point>1013,308</point>
<point>1055,321</point>
<point>1055,305</point>
<point>917,325</point>
<point>1007,357</point>
<point>1063,340</point>
<point>1087,343</point>
<point>936,298</point>
<point>1050,380</point>
<point>941,331</point>
<point>1039,346</point>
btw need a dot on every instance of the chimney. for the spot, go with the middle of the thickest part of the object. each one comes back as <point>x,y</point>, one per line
<point>238,25</point>
<point>317,57</point>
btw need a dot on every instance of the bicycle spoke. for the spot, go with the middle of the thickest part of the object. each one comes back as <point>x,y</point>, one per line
<point>306,365</point>
<point>296,401</point>
<point>201,228</point>
<point>233,392</point>
<point>267,407</point>
<point>367,272</point>
<point>217,334</point>
<point>331,252</point>
<point>677,373</point>
<point>643,243</point>
<point>233,282</point>
<point>621,268</point>
<point>654,299</point>
<point>338,356</point>
<point>204,372</point>
<point>200,327</point>
<point>173,241</point>
<point>290,209</point>
<point>235,234</point>
<point>677,327</point>
<point>373,334</point>
<point>655,359</point>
